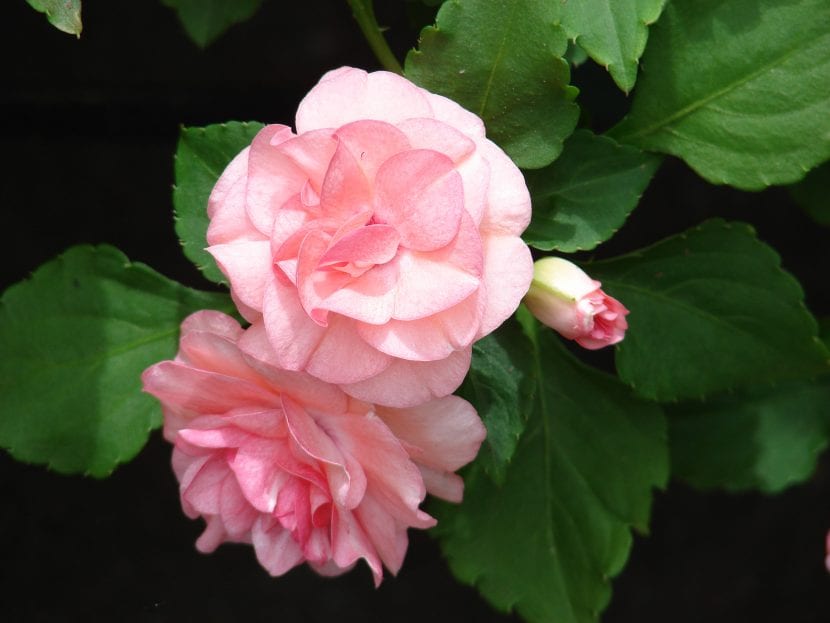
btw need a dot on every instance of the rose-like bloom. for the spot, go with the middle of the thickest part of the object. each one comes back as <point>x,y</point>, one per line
<point>293,465</point>
<point>376,244</point>
<point>563,297</point>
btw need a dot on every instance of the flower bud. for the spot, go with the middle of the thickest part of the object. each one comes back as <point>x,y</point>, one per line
<point>563,297</point>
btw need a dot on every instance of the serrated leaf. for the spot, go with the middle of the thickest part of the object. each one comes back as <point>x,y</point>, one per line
<point>500,386</point>
<point>711,310</point>
<point>547,541</point>
<point>766,440</point>
<point>612,32</point>
<point>740,90</point>
<point>584,197</point>
<point>201,156</point>
<point>812,194</point>
<point>75,338</point>
<point>502,59</point>
<point>65,15</point>
<point>205,20</point>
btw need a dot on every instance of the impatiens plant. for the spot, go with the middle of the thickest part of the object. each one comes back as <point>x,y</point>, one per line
<point>371,326</point>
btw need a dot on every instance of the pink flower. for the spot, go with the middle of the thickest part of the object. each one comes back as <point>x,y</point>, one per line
<point>293,465</point>
<point>374,246</point>
<point>563,297</point>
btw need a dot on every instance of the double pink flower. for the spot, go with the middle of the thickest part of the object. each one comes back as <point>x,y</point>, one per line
<point>368,252</point>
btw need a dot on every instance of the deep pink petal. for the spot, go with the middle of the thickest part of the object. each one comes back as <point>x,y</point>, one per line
<point>420,194</point>
<point>346,94</point>
<point>373,244</point>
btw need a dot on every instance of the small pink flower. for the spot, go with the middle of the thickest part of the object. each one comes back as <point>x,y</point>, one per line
<point>296,467</point>
<point>563,297</point>
<point>376,244</point>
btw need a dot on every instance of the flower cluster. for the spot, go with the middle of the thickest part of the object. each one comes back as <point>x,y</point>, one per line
<point>368,251</point>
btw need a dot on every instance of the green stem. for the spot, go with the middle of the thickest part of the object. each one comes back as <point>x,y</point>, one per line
<point>365,16</point>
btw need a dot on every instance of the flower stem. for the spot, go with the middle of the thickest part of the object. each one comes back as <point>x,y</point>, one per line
<point>365,16</point>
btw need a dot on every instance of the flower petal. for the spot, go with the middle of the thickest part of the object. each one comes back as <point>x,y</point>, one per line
<point>508,271</point>
<point>248,267</point>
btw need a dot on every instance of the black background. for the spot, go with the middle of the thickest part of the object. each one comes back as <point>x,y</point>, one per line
<point>89,128</point>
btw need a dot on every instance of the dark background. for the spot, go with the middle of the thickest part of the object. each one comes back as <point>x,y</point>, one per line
<point>89,128</point>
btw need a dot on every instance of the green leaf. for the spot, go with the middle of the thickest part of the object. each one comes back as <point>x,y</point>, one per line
<point>813,194</point>
<point>740,90</point>
<point>612,32</point>
<point>65,15</point>
<point>500,386</point>
<point>202,155</point>
<point>584,197</point>
<point>75,338</point>
<point>765,440</point>
<point>205,20</point>
<point>548,540</point>
<point>711,310</point>
<point>502,59</point>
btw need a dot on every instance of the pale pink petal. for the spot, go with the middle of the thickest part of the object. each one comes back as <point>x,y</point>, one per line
<point>292,334</point>
<point>343,357</point>
<point>372,143</point>
<point>387,535</point>
<point>420,194</point>
<point>441,484</point>
<point>508,271</point>
<point>430,338</point>
<point>349,543</point>
<point>202,391</point>
<point>273,178</point>
<point>211,321</point>
<point>408,383</point>
<point>226,437</point>
<point>345,190</point>
<point>248,266</point>
<point>508,209</point>
<point>448,111</point>
<point>369,297</point>
<point>226,208</point>
<point>346,94</point>
<point>475,176</point>
<point>275,548</point>
<point>202,493</point>
<point>447,430</point>
<point>209,351</point>
<point>427,285</point>
<point>291,224</point>
<point>235,172</point>
<point>437,136</point>
<point>311,152</point>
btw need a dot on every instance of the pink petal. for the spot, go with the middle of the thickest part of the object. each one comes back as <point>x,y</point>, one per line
<point>292,334</point>
<point>420,194</point>
<point>448,111</point>
<point>441,484</point>
<point>311,152</point>
<point>408,383</point>
<point>212,537</point>
<point>208,351</point>
<point>346,94</point>
<point>430,338</point>
<point>237,515</point>
<point>372,143</point>
<point>508,271</point>
<point>369,297</point>
<point>350,543</point>
<point>347,484</point>
<point>343,357</point>
<point>437,136</point>
<point>345,190</point>
<point>226,437</point>
<point>447,430</point>
<point>373,244</point>
<point>258,472</point>
<point>273,178</point>
<point>248,267</point>
<point>211,321</point>
<point>508,210</point>
<point>235,172</point>
<point>226,207</point>
<point>203,391</point>
<point>428,284</point>
<point>387,535</point>
<point>315,285</point>
<point>203,491</point>
<point>275,548</point>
